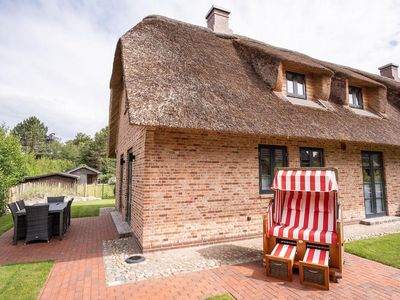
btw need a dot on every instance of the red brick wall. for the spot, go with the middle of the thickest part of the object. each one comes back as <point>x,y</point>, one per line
<point>131,137</point>
<point>193,187</point>
<point>202,186</point>
<point>391,159</point>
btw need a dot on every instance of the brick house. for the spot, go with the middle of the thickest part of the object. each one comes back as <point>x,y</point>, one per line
<point>200,117</point>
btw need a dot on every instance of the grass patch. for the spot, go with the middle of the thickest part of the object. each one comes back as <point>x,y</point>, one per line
<point>6,222</point>
<point>23,281</point>
<point>221,297</point>
<point>90,208</point>
<point>384,249</point>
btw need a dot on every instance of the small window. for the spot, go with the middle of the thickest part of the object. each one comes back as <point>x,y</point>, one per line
<point>355,97</point>
<point>311,157</point>
<point>270,157</point>
<point>296,85</point>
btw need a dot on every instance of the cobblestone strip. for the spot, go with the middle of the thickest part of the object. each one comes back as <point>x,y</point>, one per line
<point>176,261</point>
<point>361,232</point>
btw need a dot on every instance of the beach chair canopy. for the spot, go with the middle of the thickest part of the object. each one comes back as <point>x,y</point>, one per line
<point>305,180</point>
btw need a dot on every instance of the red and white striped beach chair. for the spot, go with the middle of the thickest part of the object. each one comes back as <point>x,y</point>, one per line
<point>280,263</point>
<point>305,212</point>
<point>314,268</point>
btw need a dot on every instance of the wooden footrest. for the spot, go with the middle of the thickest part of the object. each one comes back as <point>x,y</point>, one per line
<point>280,262</point>
<point>314,268</point>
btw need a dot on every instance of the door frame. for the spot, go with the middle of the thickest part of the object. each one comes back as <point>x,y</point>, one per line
<point>129,185</point>
<point>121,180</point>
<point>384,200</point>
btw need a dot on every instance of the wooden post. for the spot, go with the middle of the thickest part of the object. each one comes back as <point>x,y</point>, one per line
<point>341,240</point>
<point>265,246</point>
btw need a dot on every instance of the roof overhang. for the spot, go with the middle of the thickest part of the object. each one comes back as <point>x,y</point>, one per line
<point>51,175</point>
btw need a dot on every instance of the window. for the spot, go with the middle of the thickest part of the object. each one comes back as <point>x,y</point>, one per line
<point>355,97</point>
<point>270,157</point>
<point>311,157</point>
<point>296,85</point>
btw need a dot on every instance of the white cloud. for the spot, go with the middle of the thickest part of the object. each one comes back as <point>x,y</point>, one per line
<point>56,56</point>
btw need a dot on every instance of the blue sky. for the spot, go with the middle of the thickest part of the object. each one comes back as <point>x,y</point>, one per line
<point>56,56</point>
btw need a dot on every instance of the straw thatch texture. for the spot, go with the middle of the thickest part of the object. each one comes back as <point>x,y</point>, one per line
<point>185,76</point>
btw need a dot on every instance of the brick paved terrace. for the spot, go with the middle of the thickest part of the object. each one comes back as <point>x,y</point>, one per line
<point>79,273</point>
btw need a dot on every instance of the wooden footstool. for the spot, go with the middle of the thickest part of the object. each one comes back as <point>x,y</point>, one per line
<point>279,263</point>
<point>314,268</point>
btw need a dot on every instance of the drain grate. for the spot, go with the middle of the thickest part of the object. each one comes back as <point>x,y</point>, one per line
<point>134,259</point>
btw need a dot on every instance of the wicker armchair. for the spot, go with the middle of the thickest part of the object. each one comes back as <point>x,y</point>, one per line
<point>21,204</point>
<point>38,222</point>
<point>67,215</point>
<point>56,199</point>
<point>21,226</point>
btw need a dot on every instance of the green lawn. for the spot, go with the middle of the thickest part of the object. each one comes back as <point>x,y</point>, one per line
<point>384,249</point>
<point>221,297</point>
<point>23,281</point>
<point>6,223</point>
<point>89,208</point>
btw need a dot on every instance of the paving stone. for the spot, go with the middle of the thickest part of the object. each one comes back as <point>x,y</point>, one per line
<point>380,220</point>
<point>79,272</point>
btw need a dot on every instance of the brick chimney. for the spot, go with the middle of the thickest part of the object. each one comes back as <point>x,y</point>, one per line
<point>390,71</point>
<point>218,20</point>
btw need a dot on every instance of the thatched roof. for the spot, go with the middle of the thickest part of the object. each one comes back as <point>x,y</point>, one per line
<point>185,76</point>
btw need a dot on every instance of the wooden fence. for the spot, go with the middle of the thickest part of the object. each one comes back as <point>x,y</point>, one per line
<point>35,190</point>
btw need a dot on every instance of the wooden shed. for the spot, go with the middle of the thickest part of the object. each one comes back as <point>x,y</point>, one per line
<point>85,174</point>
<point>54,178</point>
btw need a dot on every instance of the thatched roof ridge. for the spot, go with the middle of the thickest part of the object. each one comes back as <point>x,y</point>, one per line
<point>185,76</point>
<point>283,55</point>
<point>303,59</point>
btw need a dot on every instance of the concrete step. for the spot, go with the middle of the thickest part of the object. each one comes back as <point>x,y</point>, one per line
<point>380,220</point>
<point>123,228</point>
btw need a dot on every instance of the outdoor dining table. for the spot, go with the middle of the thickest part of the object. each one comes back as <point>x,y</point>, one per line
<point>54,208</point>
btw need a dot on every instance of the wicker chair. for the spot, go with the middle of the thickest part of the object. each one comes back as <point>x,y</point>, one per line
<point>56,224</point>
<point>67,215</point>
<point>21,221</point>
<point>55,199</point>
<point>38,222</point>
<point>21,204</point>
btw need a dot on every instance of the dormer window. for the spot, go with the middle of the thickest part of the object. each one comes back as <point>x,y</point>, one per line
<point>296,85</point>
<point>355,97</point>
